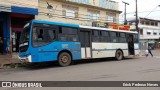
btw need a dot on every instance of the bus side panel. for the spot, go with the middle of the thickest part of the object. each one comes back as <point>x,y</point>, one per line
<point>108,49</point>
<point>47,56</point>
<point>73,47</point>
<point>102,50</point>
<point>43,53</point>
<point>50,52</point>
<point>136,48</point>
<point>122,46</point>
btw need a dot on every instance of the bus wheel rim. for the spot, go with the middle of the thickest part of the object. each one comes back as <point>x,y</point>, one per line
<point>64,59</point>
<point>119,54</point>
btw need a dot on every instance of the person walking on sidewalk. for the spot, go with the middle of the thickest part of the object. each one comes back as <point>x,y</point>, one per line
<point>149,50</point>
<point>1,45</point>
<point>146,52</point>
<point>8,46</point>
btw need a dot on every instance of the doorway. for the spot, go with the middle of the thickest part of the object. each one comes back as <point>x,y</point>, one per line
<point>131,44</point>
<point>85,39</point>
<point>15,41</point>
<point>1,35</point>
<point>17,23</point>
<point>1,29</point>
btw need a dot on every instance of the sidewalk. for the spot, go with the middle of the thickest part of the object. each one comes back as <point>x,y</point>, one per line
<point>156,53</point>
<point>8,60</point>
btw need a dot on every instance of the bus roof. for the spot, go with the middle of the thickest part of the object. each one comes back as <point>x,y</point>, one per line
<point>106,29</point>
<point>79,26</point>
<point>56,23</point>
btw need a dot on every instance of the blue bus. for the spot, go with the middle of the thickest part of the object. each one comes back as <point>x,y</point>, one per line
<point>43,41</point>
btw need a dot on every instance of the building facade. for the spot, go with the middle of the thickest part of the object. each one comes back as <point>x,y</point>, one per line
<point>14,14</point>
<point>82,12</point>
<point>149,30</point>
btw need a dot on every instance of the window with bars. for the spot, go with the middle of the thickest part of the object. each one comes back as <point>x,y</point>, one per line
<point>111,17</point>
<point>93,15</point>
<point>154,33</point>
<point>148,33</point>
<point>70,11</point>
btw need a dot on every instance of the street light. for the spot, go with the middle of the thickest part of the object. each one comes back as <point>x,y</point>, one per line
<point>125,21</point>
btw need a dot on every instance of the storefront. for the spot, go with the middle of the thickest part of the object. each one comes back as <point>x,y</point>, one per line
<point>111,25</point>
<point>12,20</point>
<point>4,27</point>
<point>17,23</point>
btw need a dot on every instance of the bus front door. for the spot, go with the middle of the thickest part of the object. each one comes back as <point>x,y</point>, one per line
<point>131,45</point>
<point>85,38</point>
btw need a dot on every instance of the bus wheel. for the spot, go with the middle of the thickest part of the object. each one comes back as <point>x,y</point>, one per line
<point>119,55</point>
<point>64,59</point>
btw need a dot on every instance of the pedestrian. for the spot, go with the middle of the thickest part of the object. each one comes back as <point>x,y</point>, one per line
<point>146,52</point>
<point>8,46</point>
<point>1,45</point>
<point>149,50</point>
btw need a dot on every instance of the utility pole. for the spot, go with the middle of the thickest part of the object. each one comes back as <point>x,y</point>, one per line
<point>137,19</point>
<point>137,29</point>
<point>125,20</point>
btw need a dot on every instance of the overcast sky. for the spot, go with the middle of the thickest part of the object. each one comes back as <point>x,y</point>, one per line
<point>146,8</point>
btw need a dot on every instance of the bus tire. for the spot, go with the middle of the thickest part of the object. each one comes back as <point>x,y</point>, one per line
<point>119,55</point>
<point>64,59</point>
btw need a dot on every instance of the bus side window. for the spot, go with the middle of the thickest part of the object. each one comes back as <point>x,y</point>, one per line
<point>40,35</point>
<point>35,36</point>
<point>51,35</point>
<point>95,36</point>
<point>68,34</point>
<point>122,38</point>
<point>114,37</point>
<point>135,38</point>
<point>104,36</point>
<point>43,36</point>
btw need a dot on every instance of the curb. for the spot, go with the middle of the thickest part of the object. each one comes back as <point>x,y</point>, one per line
<point>9,65</point>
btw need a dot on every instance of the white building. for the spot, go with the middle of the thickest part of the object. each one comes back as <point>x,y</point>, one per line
<point>149,30</point>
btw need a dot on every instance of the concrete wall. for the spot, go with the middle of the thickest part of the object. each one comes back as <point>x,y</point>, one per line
<point>150,29</point>
<point>20,3</point>
<point>56,13</point>
<point>4,18</point>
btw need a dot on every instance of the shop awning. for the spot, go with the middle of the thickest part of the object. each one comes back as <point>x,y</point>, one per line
<point>151,42</point>
<point>24,10</point>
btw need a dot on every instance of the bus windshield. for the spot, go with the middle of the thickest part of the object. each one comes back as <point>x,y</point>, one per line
<point>24,39</point>
<point>25,35</point>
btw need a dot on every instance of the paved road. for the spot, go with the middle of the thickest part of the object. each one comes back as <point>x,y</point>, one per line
<point>138,69</point>
<point>133,69</point>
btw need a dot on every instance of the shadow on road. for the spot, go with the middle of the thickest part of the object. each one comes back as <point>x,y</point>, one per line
<point>37,66</point>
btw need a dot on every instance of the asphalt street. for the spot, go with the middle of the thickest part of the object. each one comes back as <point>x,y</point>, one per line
<point>130,69</point>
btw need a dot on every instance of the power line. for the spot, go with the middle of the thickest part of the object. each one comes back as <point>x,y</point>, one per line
<point>99,18</point>
<point>152,11</point>
<point>143,12</point>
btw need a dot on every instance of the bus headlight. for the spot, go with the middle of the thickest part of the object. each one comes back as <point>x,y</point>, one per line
<point>26,59</point>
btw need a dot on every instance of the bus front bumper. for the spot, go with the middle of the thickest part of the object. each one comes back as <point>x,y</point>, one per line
<point>25,59</point>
